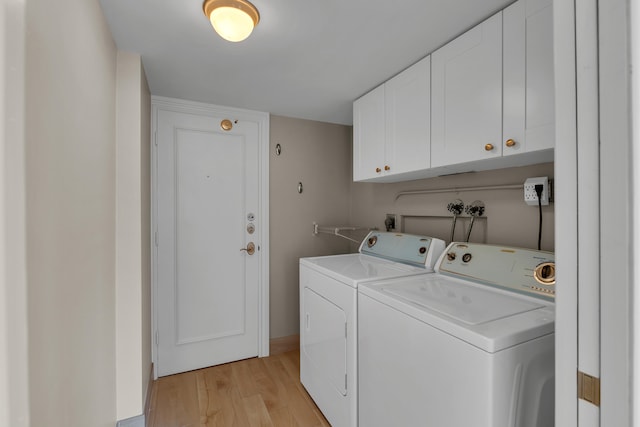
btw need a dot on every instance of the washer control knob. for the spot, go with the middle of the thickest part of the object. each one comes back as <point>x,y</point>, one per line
<point>545,273</point>
<point>451,256</point>
<point>422,250</point>
<point>466,257</point>
<point>372,241</point>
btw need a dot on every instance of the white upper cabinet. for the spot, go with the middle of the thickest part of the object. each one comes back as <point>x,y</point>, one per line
<point>408,119</point>
<point>529,113</point>
<point>392,127</point>
<point>368,135</point>
<point>489,104</point>
<point>493,93</point>
<point>467,96</point>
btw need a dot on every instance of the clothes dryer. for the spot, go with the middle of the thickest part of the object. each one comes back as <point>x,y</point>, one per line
<point>328,313</point>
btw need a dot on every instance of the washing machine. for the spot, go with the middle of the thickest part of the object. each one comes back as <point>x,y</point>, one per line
<point>328,313</point>
<point>470,345</point>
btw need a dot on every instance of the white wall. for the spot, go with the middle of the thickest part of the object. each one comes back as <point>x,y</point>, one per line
<point>133,330</point>
<point>14,402</point>
<point>70,190</point>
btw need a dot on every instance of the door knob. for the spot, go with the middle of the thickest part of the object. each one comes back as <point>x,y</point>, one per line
<point>510,143</point>
<point>488,147</point>
<point>251,248</point>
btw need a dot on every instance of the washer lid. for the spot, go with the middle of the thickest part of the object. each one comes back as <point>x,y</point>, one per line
<point>357,268</point>
<point>467,304</point>
<point>488,318</point>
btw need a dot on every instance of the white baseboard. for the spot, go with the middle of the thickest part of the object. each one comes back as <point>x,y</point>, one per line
<point>132,422</point>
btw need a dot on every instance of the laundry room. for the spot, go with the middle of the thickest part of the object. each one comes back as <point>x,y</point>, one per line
<point>319,220</point>
<point>319,155</point>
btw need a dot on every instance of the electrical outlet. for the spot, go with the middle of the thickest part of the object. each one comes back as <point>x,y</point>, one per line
<point>530,195</point>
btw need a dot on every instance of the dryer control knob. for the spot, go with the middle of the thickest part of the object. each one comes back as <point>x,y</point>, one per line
<point>466,257</point>
<point>451,256</point>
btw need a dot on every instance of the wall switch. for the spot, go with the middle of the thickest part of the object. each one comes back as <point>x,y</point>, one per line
<point>530,195</point>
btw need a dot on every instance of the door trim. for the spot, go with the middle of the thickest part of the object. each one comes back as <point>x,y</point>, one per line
<point>566,213</point>
<point>190,107</point>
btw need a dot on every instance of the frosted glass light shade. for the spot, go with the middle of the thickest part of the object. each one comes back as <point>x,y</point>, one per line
<point>233,20</point>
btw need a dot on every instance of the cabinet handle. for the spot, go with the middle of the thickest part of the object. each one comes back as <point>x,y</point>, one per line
<point>510,143</point>
<point>488,147</point>
<point>387,168</point>
<point>378,170</point>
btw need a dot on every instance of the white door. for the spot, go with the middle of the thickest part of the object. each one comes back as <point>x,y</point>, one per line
<point>208,214</point>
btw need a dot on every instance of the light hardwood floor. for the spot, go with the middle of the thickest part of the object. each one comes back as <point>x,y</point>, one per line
<point>252,392</point>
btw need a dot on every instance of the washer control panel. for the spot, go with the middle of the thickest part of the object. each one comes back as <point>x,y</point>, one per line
<point>525,271</point>
<point>406,248</point>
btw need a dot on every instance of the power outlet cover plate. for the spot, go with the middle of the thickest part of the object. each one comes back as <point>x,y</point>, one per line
<point>530,196</point>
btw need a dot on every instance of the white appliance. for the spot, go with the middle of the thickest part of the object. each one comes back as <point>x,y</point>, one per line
<point>328,313</point>
<point>471,345</point>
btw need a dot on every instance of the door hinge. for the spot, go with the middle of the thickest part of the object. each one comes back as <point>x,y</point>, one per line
<point>155,238</point>
<point>157,337</point>
<point>589,388</point>
<point>345,330</point>
<point>155,138</point>
<point>345,381</point>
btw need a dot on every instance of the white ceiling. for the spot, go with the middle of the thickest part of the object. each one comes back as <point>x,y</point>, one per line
<point>306,58</point>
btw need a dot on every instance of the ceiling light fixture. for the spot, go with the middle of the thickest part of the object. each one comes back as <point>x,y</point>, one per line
<point>233,20</point>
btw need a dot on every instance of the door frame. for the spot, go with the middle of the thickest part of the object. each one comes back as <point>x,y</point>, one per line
<point>262,119</point>
<point>615,43</point>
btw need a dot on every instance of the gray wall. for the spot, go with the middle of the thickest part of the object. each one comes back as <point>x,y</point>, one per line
<point>508,220</point>
<point>320,156</point>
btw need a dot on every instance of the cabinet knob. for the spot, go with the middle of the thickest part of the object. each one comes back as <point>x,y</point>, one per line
<point>510,143</point>
<point>378,170</point>
<point>387,168</point>
<point>488,147</point>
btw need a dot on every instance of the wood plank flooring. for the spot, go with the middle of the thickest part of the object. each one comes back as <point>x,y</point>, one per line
<point>252,392</point>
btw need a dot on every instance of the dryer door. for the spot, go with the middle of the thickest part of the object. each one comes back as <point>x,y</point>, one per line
<point>323,340</point>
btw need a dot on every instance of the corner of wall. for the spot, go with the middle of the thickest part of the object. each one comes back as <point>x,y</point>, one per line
<point>133,339</point>
<point>145,219</point>
<point>14,381</point>
<point>138,421</point>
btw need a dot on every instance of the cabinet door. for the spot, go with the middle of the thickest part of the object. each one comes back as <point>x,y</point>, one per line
<point>368,135</point>
<point>467,96</point>
<point>529,113</point>
<point>408,119</point>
